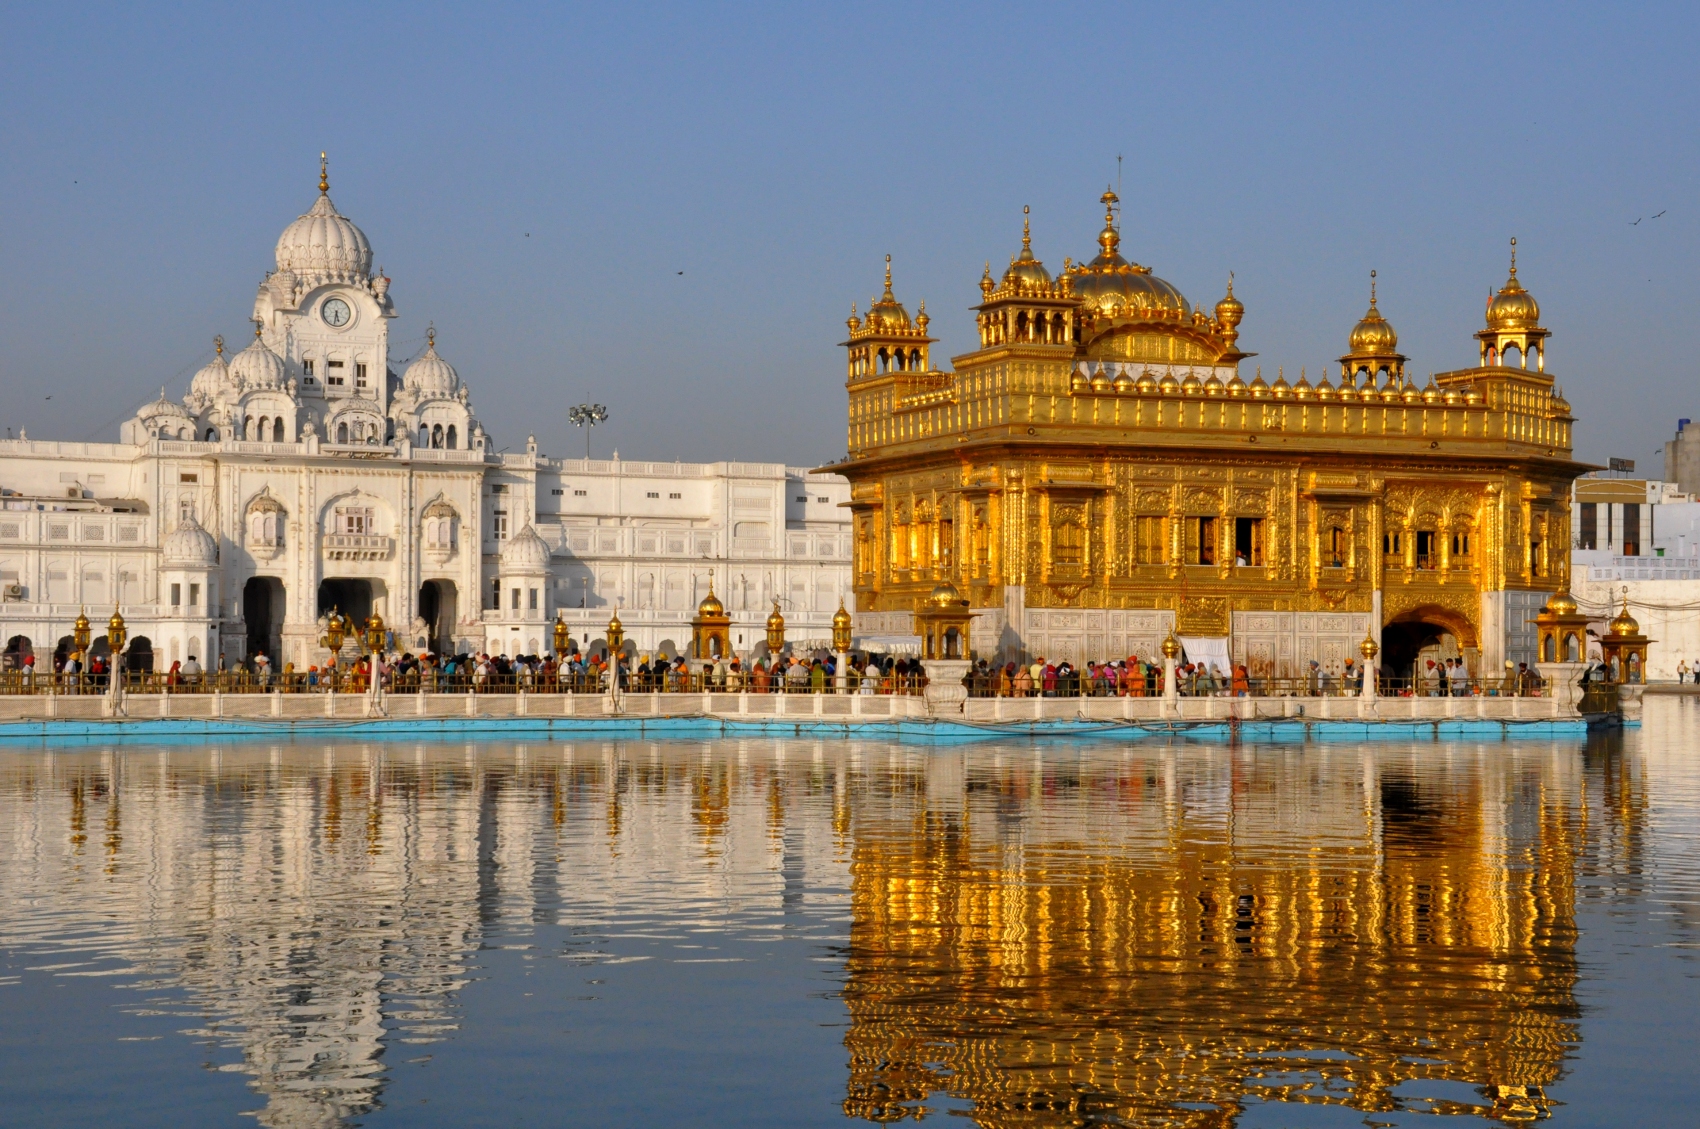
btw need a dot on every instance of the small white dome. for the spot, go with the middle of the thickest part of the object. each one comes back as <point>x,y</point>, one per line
<point>527,552</point>
<point>257,367</point>
<point>190,545</point>
<point>162,409</point>
<point>324,245</point>
<point>213,377</point>
<point>430,375</point>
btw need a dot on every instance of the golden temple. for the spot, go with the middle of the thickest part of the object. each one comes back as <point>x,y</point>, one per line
<point>1098,473</point>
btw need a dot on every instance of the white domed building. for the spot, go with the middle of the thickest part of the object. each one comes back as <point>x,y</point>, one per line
<point>314,471</point>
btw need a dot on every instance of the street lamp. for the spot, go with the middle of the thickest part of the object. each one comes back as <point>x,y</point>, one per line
<point>587,416</point>
<point>616,637</point>
<point>116,636</point>
<point>563,637</point>
<point>775,631</point>
<point>375,648</point>
<point>336,633</point>
<point>80,640</point>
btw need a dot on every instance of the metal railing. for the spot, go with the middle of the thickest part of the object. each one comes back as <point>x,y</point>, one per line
<point>461,680</point>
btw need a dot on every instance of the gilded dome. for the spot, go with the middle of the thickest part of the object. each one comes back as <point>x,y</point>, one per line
<point>1025,270</point>
<point>527,552</point>
<point>1513,307</point>
<point>1561,603</point>
<point>1230,310</point>
<point>945,595</point>
<point>841,619</point>
<point>1110,286</point>
<point>776,621</point>
<point>1623,623</point>
<point>711,605</point>
<point>1374,333</point>
<point>324,244</point>
<point>257,366</point>
<point>887,312</point>
<point>430,375</point>
<point>190,545</point>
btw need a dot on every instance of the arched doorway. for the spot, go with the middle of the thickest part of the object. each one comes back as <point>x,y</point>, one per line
<point>18,648</point>
<point>138,657</point>
<point>352,597</point>
<point>263,611</point>
<point>1411,638</point>
<point>437,607</point>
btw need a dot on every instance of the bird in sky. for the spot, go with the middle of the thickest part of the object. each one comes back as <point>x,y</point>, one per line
<point>1632,223</point>
<point>1661,213</point>
<point>681,272</point>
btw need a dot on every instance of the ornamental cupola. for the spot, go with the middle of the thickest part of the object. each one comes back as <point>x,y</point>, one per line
<point>257,368</point>
<point>212,379</point>
<point>1125,313</point>
<point>1372,349</point>
<point>1027,306</point>
<point>887,340</point>
<point>1513,330</point>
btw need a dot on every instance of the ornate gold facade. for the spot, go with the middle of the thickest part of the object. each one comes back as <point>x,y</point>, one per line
<point>1100,456</point>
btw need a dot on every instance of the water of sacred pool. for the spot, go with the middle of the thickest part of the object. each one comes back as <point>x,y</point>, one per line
<point>798,932</point>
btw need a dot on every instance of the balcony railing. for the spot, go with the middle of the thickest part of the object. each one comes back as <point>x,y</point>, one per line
<point>358,547</point>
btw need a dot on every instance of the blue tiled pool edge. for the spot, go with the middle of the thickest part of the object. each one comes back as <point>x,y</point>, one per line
<point>910,730</point>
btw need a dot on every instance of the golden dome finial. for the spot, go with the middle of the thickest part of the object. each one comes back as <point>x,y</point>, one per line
<point>258,326</point>
<point>1026,231</point>
<point>218,344</point>
<point>431,336</point>
<point>324,174</point>
<point>1109,239</point>
<point>1513,256</point>
<point>887,297</point>
<point>1230,284</point>
<point>1372,289</point>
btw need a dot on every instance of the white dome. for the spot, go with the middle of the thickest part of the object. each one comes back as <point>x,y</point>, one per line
<point>162,409</point>
<point>213,378</point>
<point>190,545</point>
<point>257,367</point>
<point>430,375</point>
<point>527,552</point>
<point>324,245</point>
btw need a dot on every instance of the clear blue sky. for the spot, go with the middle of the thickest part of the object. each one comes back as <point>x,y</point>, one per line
<point>775,155</point>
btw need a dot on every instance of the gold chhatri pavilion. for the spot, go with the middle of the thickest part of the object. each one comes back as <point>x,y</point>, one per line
<point>1098,473</point>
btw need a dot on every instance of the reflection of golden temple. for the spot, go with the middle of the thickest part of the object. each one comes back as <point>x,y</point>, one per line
<point>1097,473</point>
<point>1045,983</point>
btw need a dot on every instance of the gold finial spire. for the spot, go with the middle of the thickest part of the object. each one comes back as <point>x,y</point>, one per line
<point>887,297</point>
<point>1109,238</point>
<point>431,336</point>
<point>218,344</point>
<point>1514,257</point>
<point>1230,284</point>
<point>258,325</point>
<point>1026,232</point>
<point>1372,289</point>
<point>324,174</point>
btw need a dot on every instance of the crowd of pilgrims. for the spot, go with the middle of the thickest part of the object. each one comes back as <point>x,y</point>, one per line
<point>581,673</point>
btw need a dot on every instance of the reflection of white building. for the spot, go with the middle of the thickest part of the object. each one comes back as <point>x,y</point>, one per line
<point>1640,538</point>
<point>305,472</point>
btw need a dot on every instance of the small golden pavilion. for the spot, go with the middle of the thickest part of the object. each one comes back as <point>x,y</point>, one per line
<point>1099,472</point>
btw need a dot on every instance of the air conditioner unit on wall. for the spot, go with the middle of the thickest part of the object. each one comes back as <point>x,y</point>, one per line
<point>13,591</point>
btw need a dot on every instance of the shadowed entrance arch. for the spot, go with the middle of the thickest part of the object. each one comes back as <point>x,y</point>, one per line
<point>353,598</point>
<point>262,611</point>
<point>1409,633</point>
<point>437,609</point>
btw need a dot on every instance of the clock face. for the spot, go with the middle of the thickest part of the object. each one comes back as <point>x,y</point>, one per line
<point>335,312</point>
